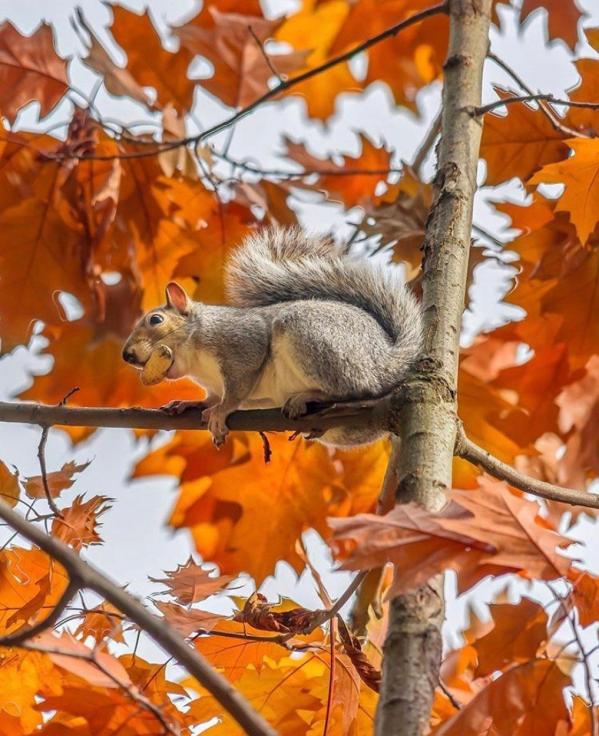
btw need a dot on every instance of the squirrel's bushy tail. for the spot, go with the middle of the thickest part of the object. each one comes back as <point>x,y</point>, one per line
<point>287,264</point>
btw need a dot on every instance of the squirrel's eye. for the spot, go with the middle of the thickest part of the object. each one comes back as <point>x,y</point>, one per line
<point>155,319</point>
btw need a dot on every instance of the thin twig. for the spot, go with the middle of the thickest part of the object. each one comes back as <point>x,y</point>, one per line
<point>290,175</point>
<point>13,640</point>
<point>550,113</point>
<point>164,635</point>
<point>41,454</point>
<point>426,145</point>
<point>131,691</point>
<point>585,661</point>
<point>443,688</point>
<point>331,693</point>
<point>470,451</point>
<point>284,86</point>
<point>267,58</point>
<point>484,109</point>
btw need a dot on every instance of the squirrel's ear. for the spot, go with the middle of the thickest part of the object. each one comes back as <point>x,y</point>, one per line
<point>176,297</point>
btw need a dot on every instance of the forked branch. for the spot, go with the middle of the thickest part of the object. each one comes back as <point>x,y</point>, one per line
<point>172,643</point>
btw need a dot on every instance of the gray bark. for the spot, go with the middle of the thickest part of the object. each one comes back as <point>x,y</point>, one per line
<point>427,413</point>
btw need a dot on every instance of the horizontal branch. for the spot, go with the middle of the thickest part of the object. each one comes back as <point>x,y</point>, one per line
<point>469,450</point>
<point>543,97</point>
<point>348,414</point>
<point>165,636</point>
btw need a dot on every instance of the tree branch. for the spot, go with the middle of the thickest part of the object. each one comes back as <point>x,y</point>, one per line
<point>324,416</point>
<point>13,640</point>
<point>483,109</point>
<point>476,455</point>
<point>132,692</point>
<point>277,89</point>
<point>172,643</point>
<point>413,646</point>
<point>550,113</point>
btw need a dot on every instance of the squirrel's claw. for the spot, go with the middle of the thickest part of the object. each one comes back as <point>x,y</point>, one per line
<point>174,408</point>
<point>216,419</point>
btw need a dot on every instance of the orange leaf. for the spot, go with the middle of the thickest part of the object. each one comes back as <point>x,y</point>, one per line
<point>78,524</point>
<point>30,70</point>
<point>75,657</point>
<point>190,583</point>
<point>238,55</point>
<point>320,91</point>
<point>519,142</point>
<point>525,701</point>
<point>580,175</point>
<point>58,481</point>
<point>491,531</point>
<point>30,584</point>
<point>187,621</point>
<point>148,62</point>
<point>9,485</point>
<point>585,594</point>
<point>562,18</point>
<point>519,631</point>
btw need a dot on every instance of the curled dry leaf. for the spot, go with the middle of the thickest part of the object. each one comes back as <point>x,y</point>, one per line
<point>263,615</point>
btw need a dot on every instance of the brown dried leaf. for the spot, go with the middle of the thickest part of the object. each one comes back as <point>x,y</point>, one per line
<point>190,583</point>
<point>58,480</point>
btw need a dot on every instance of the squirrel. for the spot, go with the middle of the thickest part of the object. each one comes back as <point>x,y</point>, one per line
<point>305,323</point>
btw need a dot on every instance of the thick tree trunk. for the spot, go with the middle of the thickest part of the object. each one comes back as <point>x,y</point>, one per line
<point>426,417</point>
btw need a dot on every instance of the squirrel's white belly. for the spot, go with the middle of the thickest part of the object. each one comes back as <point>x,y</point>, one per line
<point>281,377</point>
<point>208,374</point>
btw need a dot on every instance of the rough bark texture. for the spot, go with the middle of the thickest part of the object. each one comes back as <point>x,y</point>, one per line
<point>426,414</point>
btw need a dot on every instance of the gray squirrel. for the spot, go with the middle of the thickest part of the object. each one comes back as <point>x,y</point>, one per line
<point>306,323</point>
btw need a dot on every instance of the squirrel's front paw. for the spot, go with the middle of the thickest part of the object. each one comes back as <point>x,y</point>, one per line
<point>216,419</point>
<point>174,408</point>
<point>295,407</point>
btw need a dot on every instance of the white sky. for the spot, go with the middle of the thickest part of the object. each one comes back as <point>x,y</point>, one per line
<point>137,543</point>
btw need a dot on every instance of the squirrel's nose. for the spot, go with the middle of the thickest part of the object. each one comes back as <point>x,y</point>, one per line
<point>129,356</point>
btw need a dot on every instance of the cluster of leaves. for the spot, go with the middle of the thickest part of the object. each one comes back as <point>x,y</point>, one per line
<point>94,224</point>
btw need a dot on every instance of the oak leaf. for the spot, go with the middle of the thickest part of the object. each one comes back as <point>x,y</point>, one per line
<point>9,485</point>
<point>407,62</point>
<point>58,480</point>
<point>30,582</point>
<point>148,62</point>
<point>320,91</point>
<point>30,70</point>
<point>78,524</point>
<point>187,621</point>
<point>95,667</point>
<point>191,583</point>
<point>563,17</point>
<point>491,531</point>
<point>518,633</point>
<point>102,622</point>
<point>527,700</point>
<point>580,175</point>
<point>118,81</point>
<point>234,43</point>
<point>519,142</point>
